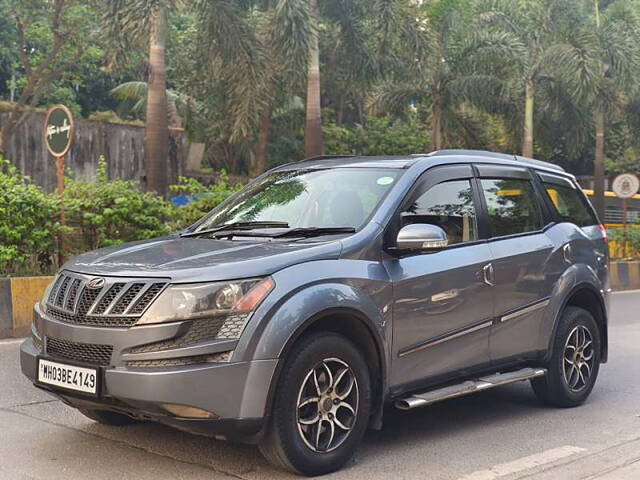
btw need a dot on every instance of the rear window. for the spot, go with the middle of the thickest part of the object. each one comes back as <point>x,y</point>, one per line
<point>570,205</point>
<point>511,206</point>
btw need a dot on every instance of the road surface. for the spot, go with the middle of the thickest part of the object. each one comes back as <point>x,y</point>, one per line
<point>502,434</point>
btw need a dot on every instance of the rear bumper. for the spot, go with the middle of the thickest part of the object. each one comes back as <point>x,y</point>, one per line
<point>235,392</point>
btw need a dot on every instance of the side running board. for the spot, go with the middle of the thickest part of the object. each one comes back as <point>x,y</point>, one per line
<point>469,386</point>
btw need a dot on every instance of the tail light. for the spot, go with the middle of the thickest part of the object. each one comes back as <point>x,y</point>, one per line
<point>603,231</point>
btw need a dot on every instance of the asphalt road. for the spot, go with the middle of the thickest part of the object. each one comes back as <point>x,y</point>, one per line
<point>499,434</point>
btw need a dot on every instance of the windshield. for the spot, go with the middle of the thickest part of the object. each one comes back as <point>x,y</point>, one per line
<point>338,197</point>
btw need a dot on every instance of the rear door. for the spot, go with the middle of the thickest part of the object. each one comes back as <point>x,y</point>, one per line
<point>521,256</point>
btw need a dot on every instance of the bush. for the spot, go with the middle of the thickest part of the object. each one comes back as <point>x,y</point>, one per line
<point>632,238</point>
<point>28,224</point>
<point>99,213</point>
<point>206,198</point>
<point>109,212</point>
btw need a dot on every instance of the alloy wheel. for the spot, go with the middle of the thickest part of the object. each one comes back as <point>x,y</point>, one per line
<point>578,358</point>
<point>327,405</point>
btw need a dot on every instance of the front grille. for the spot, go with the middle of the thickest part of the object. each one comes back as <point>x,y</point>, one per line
<point>117,303</point>
<point>35,337</point>
<point>81,352</point>
<point>181,361</point>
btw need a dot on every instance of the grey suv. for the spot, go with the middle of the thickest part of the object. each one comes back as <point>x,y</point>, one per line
<point>329,289</point>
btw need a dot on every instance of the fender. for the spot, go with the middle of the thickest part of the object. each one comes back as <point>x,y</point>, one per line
<point>574,278</point>
<point>363,293</point>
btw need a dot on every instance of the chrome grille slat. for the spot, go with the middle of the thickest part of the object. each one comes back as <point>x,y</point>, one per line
<point>135,299</point>
<point>62,291</point>
<point>102,305</point>
<point>118,303</point>
<point>70,297</point>
<point>140,305</point>
<point>54,290</point>
<point>114,307</point>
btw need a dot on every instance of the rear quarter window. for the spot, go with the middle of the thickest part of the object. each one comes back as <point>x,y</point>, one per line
<point>570,205</point>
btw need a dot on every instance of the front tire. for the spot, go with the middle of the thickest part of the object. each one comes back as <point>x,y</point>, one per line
<point>575,361</point>
<point>321,407</point>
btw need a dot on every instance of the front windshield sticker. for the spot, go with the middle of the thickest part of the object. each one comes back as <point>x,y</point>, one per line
<point>385,180</point>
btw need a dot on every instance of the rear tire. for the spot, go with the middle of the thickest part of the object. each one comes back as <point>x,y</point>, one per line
<point>575,361</point>
<point>106,417</point>
<point>321,406</point>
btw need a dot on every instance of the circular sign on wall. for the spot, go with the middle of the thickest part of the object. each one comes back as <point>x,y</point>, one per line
<point>58,130</point>
<point>626,185</point>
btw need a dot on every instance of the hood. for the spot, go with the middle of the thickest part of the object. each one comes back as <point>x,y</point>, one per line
<point>201,259</point>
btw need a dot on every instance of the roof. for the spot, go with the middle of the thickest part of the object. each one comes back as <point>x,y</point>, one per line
<point>405,161</point>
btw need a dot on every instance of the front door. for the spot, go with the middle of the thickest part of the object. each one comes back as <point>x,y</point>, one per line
<point>442,307</point>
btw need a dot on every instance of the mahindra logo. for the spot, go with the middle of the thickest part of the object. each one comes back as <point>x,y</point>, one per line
<point>95,283</point>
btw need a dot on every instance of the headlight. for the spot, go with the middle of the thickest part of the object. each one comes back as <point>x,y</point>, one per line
<point>225,300</point>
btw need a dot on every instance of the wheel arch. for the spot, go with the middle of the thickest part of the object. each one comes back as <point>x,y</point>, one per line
<point>585,296</point>
<point>359,329</point>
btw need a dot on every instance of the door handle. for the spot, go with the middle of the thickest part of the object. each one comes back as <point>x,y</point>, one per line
<point>488,274</point>
<point>567,253</point>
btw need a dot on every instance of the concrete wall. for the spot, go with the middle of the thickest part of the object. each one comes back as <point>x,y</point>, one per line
<point>17,298</point>
<point>122,146</point>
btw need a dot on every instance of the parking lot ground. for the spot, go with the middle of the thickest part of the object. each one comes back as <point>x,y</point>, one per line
<point>500,434</point>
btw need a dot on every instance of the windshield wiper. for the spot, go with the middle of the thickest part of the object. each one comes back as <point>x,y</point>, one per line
<point>237,226</point>
<point>314,231</point>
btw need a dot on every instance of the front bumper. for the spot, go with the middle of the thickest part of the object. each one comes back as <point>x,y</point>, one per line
<point>235,392</point>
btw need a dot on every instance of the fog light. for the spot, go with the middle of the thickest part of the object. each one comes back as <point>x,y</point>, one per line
<point>188,412</point>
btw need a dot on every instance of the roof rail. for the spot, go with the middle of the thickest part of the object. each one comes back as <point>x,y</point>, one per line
<point>324,157</point>
<point>540,163</point>
<point>475,153</point>
<point>503,156</point>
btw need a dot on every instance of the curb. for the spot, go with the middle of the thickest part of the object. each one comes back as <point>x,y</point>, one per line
<point>17,297</point>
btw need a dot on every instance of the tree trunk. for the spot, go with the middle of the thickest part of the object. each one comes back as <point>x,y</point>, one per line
<point>598,166</point>
<point>436,127</point>
<point>156,141</point>
<point>527,138</point>
<point>313,125</point>
<point>340,111</point>
<point>261,164</point>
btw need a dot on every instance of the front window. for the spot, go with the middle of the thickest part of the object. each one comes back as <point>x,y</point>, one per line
<point>448,205</point>
<point>338,197</point>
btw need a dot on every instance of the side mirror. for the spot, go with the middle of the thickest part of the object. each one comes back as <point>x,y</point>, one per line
<point>421,236</point>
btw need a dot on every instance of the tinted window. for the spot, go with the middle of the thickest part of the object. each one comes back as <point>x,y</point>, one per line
<point>448,205</point>
<point>512,206</point>
<point>570,205</point>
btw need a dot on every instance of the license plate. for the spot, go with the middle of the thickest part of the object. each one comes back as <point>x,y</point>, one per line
<point>72,377</point>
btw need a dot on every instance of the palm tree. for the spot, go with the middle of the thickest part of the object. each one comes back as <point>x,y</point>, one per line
<point>601,63</point>
<point>532,27</point>
<point>297,35</point>
<point>130,21</point>
<point>445,72</point>
<point>134,95</point>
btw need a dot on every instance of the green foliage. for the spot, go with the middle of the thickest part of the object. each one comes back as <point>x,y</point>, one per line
<point>28,223</point>
<point>98,214</point>
<point>380,136</point>
<point>207,198</point>
<point>109,212</point>
<point>632,238</point>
